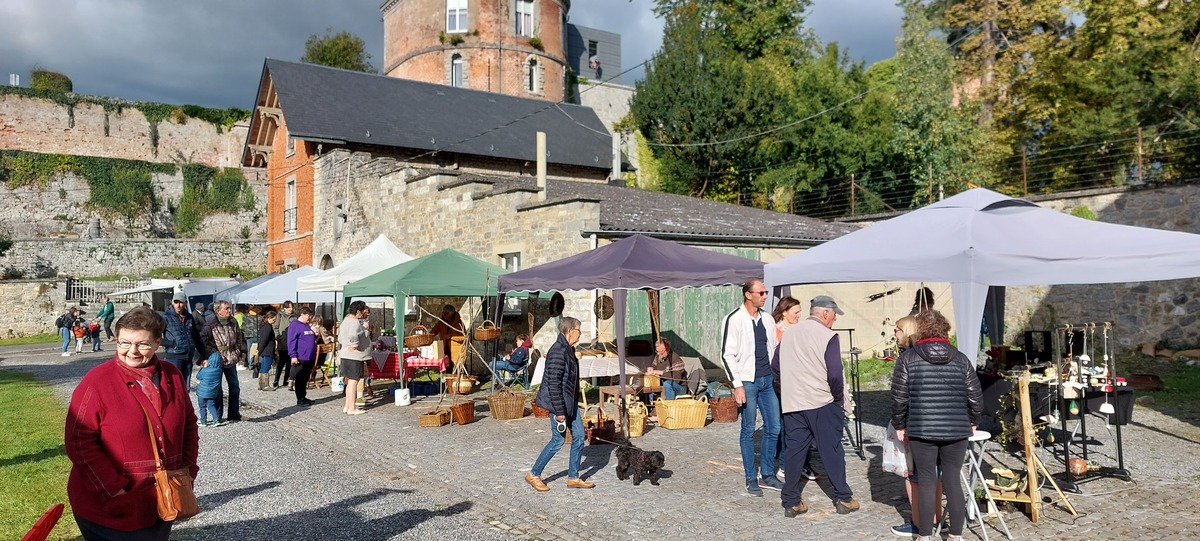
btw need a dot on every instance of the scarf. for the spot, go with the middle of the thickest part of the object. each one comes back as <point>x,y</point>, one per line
<point>145,379</point>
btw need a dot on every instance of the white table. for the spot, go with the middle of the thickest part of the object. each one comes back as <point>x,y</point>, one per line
<point>592,367</point>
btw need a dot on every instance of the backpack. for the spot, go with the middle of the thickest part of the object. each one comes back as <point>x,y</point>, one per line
<point>60,322</point>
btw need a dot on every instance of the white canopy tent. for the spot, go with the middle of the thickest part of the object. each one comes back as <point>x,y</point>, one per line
<point>379,255</point>
<point>282,288</point>
<point>230,294</point>
<point>980,238</point>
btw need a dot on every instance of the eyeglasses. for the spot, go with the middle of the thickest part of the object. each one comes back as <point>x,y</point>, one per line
<point>763,293</point>
<point>141,346</point>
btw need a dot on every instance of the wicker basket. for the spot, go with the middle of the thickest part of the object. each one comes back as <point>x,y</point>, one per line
<point>684,412</point>
<point>459,384</point>
<point>598,426</point>
<point>487,331</point>
<point>435,417</point>
<point>724,409</point>
<point>508,405</point>
<point>637,419</point>
<point>463,411</point>
<point>538,411</point>
<point>419,338</point>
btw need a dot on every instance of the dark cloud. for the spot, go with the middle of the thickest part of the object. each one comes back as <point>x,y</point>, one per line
<point>211,52</point>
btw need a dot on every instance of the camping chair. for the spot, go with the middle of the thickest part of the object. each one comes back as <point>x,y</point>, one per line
<point>41,529</point>
<point>325,363</point>
<point>510,377</point>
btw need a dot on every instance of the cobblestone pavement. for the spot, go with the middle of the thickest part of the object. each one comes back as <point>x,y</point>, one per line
<point>701,496</point>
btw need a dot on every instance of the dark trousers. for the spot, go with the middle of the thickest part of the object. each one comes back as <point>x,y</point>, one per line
<point>108,327</point>
<point>282,361</point>
<point>160,531</point>
<point>800,429</point>
<point>300,374</point>
<point>927,455</point>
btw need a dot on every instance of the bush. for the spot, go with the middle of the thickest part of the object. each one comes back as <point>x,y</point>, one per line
<point>49,81</point>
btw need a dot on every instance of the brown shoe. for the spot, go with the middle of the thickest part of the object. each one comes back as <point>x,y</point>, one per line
<point>536,482</point>
<point>845,508</point>
<point>798,509</point>
<point>579,483</point>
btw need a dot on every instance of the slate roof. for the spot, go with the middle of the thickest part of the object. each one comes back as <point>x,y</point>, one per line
<point>625,210</point>
<point>328,104</point>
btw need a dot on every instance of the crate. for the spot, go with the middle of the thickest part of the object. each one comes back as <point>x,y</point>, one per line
<point>435,418</point>
<point>685,412</point>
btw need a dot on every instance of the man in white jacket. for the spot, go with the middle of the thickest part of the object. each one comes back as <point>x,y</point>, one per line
<point>747,341</point>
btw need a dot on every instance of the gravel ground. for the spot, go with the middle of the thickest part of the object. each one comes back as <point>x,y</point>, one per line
<point>259,480</point>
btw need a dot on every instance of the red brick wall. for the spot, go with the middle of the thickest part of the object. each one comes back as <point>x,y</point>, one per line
<point>496,57</point>
<point>289,248</point>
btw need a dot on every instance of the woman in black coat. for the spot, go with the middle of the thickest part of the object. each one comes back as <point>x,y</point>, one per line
<point>936,403</point>
<point>560,394</point>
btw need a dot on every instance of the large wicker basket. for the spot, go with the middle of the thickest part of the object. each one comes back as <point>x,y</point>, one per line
<point>683,412</point>
<point>487,331</point>
<point>507,405</point>
<point>637,419</point>
<point>419,338</point>
<point>459,383</point>
<point>724,409</point>
<point>435,417</point>
<point>463,411</point>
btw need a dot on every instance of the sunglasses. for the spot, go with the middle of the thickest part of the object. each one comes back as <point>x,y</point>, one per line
<point>762,293</point>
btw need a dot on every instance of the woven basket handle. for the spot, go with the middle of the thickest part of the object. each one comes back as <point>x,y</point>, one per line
<point>487,323</point>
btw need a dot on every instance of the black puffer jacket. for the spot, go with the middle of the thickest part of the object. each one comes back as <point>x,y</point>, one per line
<point>935,393</point>
<point>559,392</point>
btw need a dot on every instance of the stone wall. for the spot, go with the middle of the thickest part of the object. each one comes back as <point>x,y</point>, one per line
<point>133,257</point>
<point>31,306</point>
<point>40,125</point>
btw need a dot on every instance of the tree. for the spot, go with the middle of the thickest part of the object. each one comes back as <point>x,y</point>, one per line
<point>342,50</point>
<point>49,81</point>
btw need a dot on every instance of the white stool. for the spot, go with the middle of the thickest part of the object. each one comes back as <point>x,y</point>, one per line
<point>974,464</point>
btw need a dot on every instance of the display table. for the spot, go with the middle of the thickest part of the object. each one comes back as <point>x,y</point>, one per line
<point>386,365</point>
<point>592,367</point>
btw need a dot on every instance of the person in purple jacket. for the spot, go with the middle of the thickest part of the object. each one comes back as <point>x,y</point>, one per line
<point>302,348</point>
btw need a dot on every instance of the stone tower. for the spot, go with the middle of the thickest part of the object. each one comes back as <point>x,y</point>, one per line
<point>514,47</point>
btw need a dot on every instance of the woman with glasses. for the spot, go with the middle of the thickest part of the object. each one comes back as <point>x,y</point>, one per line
<point>111,484</point>
<point>559,393</point>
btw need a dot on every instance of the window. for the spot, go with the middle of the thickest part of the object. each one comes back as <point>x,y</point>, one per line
<point>339,218</point>
<point>289,213</point>
<point>525,18</point>
<point>291,145</point>
<point>456,71</point>
<point>593,48</point>
<point>512,263</point>
<point>531,76</point>
<point>456,15</point>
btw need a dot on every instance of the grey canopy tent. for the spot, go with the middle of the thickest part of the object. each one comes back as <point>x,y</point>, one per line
<point>981,238</point>
<point>636,262</point>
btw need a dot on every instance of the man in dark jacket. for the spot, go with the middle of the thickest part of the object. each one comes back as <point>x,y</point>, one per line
<point>560,394</point>
<point>936,403</point>
<point>223,342</point>
<point>181,337</point>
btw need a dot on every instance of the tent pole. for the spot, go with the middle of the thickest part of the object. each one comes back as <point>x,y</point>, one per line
<point>619,298</point>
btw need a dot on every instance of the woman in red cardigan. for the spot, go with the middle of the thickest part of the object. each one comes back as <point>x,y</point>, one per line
<point>111,485</point>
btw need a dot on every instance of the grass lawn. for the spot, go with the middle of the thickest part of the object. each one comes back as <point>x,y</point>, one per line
<point>1180,396</point>
<point>48,338</point>
<point>33,465</point>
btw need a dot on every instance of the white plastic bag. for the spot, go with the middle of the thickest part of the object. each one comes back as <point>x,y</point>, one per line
<point>895,453</point>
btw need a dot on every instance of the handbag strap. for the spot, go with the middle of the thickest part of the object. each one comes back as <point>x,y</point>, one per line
<point>158,464</point>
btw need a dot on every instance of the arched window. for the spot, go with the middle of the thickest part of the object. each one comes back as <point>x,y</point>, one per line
<point>456,70</point>
<point>326,262</point>
<point>533,76</point>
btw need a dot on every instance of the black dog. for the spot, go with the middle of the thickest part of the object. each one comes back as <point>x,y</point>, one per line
<point>639,464</point>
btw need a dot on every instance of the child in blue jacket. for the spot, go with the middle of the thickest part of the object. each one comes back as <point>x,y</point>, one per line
<point>208,392</point>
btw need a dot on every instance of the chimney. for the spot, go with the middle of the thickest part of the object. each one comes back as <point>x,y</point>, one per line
<point>616,179</point>
<point>541,165</point>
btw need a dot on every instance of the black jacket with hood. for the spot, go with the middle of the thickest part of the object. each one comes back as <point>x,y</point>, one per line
<point>935,392</point>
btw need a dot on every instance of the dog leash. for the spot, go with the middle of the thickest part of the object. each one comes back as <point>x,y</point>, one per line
<point>626,444</point>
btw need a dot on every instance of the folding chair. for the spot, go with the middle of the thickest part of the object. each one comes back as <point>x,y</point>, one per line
<point>325,363</point>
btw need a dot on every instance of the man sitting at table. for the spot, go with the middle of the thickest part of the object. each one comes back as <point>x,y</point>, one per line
<point>669,366</point>
<point>516,359</point>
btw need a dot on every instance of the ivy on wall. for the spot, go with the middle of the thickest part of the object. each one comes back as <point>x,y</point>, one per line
<point>125,189</point>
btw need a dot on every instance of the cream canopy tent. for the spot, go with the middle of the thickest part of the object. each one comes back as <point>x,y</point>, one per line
<point>283,288</point>
<point>379,255</point>
<point>980,238</point>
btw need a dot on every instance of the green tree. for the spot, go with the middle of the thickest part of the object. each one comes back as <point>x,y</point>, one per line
<point>341,50</point>
<point>49,81</point>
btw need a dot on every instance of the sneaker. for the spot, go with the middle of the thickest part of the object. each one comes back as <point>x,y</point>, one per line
<point>779,475</point>
<point>219,423</point>
<point>810,474</point>
<point>798,509</point>
<point>201,424</point>
<point>752,487</point>
<point>845,508</point>
<point>769,481</point>
<point>908,529</point>
<point>66,354</point>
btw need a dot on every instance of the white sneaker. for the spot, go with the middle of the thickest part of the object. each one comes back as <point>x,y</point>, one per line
<point>66,354</point>
<point>779,474</point>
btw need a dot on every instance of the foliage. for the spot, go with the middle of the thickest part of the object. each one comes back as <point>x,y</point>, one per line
<point>127,193</point>
<point>222,119</point>
<point>209,190</point>
<point>33,464</point>
<point>208,272</point>
<point>5,243</point>
<point>536,43</point>
<point>1083,212</point>
<point>49,81</point>
<point>341,50</point>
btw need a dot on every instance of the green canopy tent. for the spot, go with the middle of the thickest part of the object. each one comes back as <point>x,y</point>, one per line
<point>448,273</point>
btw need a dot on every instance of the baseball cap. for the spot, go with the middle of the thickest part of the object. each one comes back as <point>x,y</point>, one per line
<point>825,301</point>
<point>179,296</point>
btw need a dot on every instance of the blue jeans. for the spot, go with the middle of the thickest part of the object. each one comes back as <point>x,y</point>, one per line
<point>556,442</point>
<point>66,336</point>
<point>672,388</point>
<point>185,368</point>
<point>499,365</point>
<point>210,407</point>
<point>760,398</point>
<point>235,388</point>
<point>264,364</point>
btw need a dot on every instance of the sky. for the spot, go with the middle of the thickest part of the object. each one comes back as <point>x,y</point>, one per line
<point>211,52</point>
